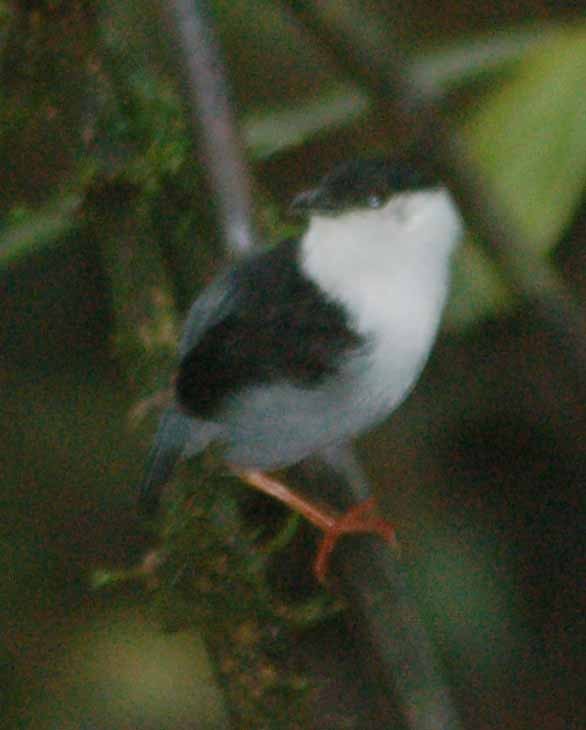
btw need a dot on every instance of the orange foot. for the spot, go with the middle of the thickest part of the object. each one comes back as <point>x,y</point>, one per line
<point>362,518</point>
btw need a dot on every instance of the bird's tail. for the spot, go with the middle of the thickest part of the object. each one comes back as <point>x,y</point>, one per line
<point>168,447</point>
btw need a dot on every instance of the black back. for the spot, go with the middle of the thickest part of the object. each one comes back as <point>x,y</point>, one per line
<point>279,327</point>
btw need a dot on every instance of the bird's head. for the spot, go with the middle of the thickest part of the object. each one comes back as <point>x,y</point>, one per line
<point>367,184</point>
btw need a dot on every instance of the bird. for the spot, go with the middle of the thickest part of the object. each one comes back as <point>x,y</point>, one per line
<point>309,343</point>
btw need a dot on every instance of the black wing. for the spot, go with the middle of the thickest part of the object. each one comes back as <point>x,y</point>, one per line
<point>174,433</point>
<point>273,325</point>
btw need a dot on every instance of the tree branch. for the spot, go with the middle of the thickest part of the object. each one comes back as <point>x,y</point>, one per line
<point>213,124</point>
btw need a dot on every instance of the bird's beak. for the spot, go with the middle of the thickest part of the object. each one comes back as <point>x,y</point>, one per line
<point>305,202</point>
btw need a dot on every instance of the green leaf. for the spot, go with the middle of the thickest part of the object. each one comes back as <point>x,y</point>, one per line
<point>31,230</point>
<point>436,71</point>
<point>287,127</point>
<point>446,67</point>
<point>477,289</point>
<point>530,140</point>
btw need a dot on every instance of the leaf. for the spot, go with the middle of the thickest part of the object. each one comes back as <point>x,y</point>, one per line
<point>530,140</point>
<point>32,230</point>
<point>444,68</point>
<point>477,289</point>
<point>282,128</point>
<point>436,71</point>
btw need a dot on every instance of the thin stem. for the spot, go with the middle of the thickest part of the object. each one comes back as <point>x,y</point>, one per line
<point>213,122</point>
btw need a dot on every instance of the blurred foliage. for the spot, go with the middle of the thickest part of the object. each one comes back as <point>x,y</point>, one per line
<point>206,559</point>
<point>267,133</point>
<point>25,230</point>
<point>530,139</point>
<point>527,132</point>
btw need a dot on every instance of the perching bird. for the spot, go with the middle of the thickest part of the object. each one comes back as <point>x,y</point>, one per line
<point>311,342</point>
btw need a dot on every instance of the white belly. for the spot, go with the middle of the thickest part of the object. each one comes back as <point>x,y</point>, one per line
<point>273,427</point>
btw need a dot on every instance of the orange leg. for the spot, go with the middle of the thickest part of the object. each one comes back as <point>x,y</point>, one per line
<point>362,518</point>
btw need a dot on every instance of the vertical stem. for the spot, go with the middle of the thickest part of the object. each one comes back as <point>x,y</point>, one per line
<point>208,94</point>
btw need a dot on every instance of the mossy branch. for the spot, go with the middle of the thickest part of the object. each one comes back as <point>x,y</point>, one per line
<point>207,571</point>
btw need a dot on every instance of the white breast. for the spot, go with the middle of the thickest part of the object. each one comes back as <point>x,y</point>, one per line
<point>390,268</point>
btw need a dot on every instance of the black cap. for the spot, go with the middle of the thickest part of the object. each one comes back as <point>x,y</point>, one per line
<point>367,183</point>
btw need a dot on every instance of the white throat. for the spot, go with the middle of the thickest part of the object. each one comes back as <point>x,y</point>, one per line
<point>390,266</point>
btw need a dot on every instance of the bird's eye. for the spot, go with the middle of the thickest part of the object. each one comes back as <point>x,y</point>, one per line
<point>374,200</point>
